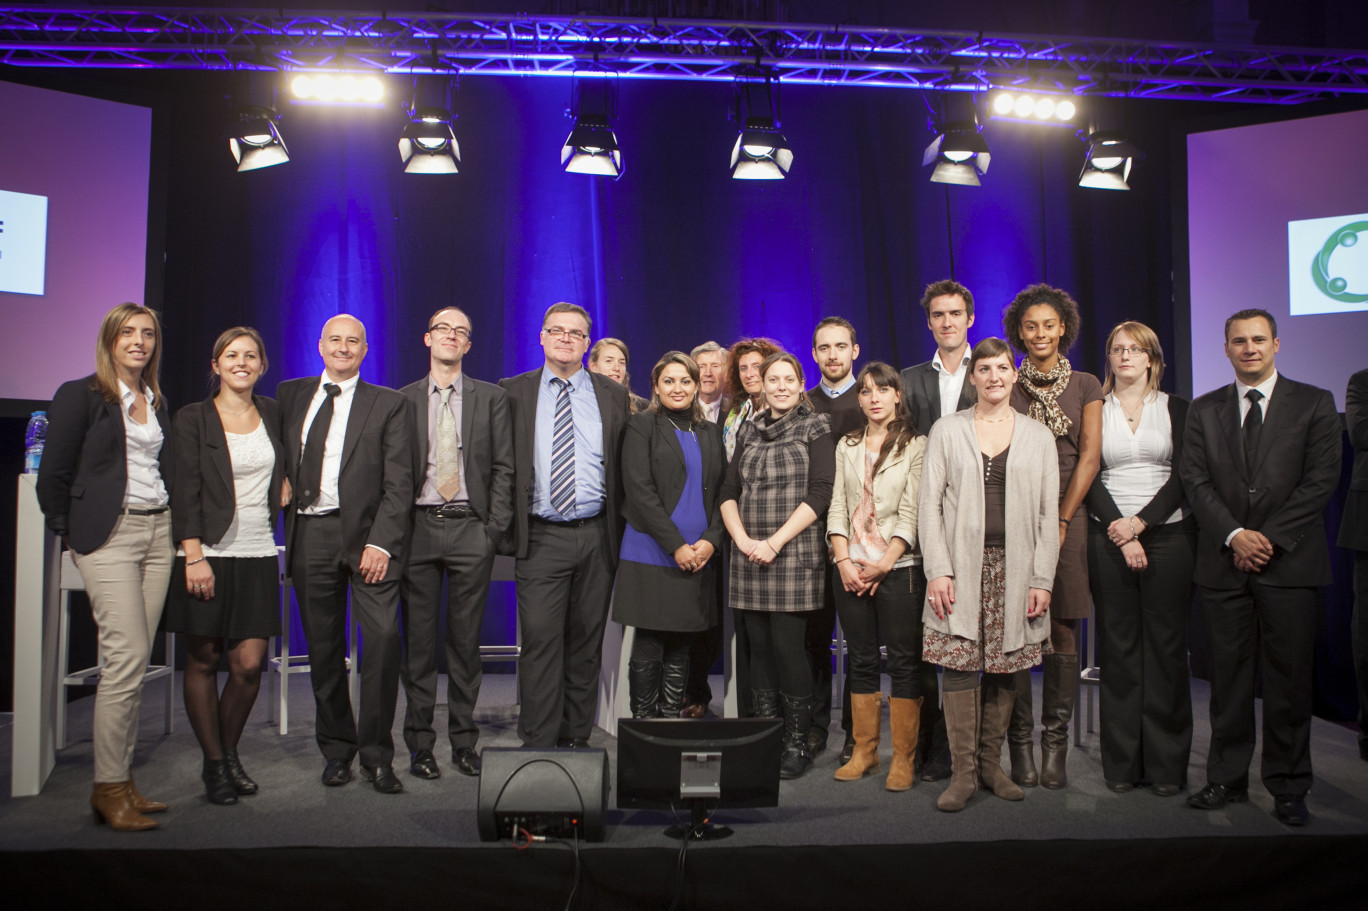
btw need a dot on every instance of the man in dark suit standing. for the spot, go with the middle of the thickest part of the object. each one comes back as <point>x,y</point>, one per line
<point>463,499</point>
<point>834,350</point>
<point>348,447</point>
<point>932,390</point>
<point>1261,458</point>
<point>567,440</point>
<point>1353,535</point>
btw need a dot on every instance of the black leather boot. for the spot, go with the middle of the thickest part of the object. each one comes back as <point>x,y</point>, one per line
<point>765,703</point>
<point>797,723</point>
<point>643,688</point>
<point>1061,682</point>
<point>674,682</point>
<point>217,787</point>
<point>242,782</point>
<point>1020,744</point>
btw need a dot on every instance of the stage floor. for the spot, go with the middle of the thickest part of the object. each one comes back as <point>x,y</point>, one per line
<point>295,810</point>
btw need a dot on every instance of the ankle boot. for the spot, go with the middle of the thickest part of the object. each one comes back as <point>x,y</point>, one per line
<point>765,703</point>
<point>674,681</point>
<point>112,802</point>
<point>995,713</point>
<point>961,724</point>
<point>242,782</point>
<point>904,718</point>
<point>1020,743</point>
<point>865,709</point>
<point>1061,682</point>
<point>217,788</point>
<point>643,688</point>
<point>797,723</point>
<point>141,803</point>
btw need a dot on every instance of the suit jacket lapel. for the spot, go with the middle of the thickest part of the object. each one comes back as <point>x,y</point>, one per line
<point>467,409</point>
<point>528,391</point>
<point>217,442</point>
<point>419,397</point>
<point>1230,422</point>
<point>666,429</point>
<point>967,395</point>
<point>1279,406</point>
<point>362,400</point>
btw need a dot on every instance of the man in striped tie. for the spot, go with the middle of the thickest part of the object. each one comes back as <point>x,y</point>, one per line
<point>567,437</point>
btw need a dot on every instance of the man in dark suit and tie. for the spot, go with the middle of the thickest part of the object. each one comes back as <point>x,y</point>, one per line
<point>567,491</point>
<point>834,350</point>
<point>463,499</point>
<point>348,455</point>
<point>1353,535</point>
<point>932,390</point>
<point>1261,458</point>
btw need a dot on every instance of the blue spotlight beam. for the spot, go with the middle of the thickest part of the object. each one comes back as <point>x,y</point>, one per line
<point>675,49</point>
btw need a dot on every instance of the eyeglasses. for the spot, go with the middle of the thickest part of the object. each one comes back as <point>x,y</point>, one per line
<point>461,332</point>
<point>574,335</point>
<point>1133,351</point>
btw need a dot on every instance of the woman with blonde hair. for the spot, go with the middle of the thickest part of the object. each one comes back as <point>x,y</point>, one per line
<point>1142,543</point>
<point>103,486</point>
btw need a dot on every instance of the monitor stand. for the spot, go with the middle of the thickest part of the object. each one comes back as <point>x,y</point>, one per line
<point>700,829</point>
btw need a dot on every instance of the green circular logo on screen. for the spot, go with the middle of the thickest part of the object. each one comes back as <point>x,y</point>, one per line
<point>1337,288</point>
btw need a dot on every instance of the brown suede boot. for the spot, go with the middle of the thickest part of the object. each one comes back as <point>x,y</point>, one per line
<point>996,712</point>
<point>1061,683</point>
<point>141,803</point>
<point>961,724</point>
<point>904,718</point>
<point>865,709</point>
<point>113,803</point>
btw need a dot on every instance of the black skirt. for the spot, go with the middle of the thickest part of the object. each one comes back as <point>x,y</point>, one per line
<point>246,602</point>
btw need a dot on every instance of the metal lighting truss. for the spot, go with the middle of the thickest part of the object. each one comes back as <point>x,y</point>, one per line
<point>679,49</point>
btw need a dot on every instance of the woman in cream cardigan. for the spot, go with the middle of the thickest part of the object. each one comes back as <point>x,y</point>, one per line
<point>988,526</point>
<point>872,529</point>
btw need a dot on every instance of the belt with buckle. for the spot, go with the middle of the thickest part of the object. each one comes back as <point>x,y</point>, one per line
<point>144,510</point>
<point>450,511</point>
<point>565,523</point>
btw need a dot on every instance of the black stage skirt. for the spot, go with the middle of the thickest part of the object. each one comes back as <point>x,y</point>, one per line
<point>246,602</point>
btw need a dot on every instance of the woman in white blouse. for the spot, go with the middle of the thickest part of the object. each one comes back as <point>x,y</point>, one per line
<point>872,529</point>
<point>102,486</point>
<point>1140,557</point>
<point>230,484</point>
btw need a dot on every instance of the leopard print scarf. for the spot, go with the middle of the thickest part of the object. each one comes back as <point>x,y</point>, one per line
<point>1044,389</point>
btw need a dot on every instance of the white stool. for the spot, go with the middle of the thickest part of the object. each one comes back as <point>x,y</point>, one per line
<point>71,581</point>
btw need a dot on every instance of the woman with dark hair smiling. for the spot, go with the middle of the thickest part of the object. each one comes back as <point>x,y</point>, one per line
<point>103,486</point>
<point>778,487</point>
<point>989,540</point>
<point>872,529</point>
<point>230,484</point>
<point>672,466</point>
<point>1141,551</point>
<point>1043,323</point>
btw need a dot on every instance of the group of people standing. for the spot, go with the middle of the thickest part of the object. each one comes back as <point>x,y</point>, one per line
<point>962,513</point>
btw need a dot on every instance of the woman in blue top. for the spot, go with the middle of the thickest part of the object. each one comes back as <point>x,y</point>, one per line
<point>672,468</point>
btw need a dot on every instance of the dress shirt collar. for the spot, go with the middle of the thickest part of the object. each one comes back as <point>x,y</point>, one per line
<point>126,397</point>
<point>579,380</point>
<point>435,389</point>
<point>1266,387</point>
<point>938,365</point>
<point>345,385</point>
<point>844,387</point>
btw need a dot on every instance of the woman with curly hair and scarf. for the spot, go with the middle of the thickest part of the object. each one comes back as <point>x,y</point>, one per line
<point>1043,323</point>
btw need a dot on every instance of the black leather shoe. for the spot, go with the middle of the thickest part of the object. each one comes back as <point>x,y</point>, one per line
<point>573,743</point>
<point>424,765</point>
<point>337,772</point>
<point>1164,790</point>
<point>382,777</point>
<point>848,749</point>
<point>1216,796</point>
<point>242,782</point>
<point>467,761</point>
<point>1290,810</point>
<point>817,742</point>
<point>1120,787</point>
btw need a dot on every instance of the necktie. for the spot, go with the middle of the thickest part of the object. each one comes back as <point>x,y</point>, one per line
<point>448,450</point>
<point>563,452</point>
<point>1253,426</point>
<point>311,465</point>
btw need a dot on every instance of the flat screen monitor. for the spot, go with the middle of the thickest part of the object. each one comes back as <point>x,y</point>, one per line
<point>707,764</point>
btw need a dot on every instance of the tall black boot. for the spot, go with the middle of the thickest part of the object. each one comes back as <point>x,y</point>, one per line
<point>643,688</point>
<point>674,682</point>
<point>797,723</point>
<point>765,703</point>
<point>1020,744</point>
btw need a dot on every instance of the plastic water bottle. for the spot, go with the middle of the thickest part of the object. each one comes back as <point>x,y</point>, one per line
<point>34,438</point>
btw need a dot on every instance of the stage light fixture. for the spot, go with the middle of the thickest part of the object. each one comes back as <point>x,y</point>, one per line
<point>428,144</point>
<point>592,148</point>
<point>332,89</point>
<point>1045,109</point>
<point>959,151</point>
<point>760,152</point>
<point>255,140</point>
<point>1107,164</point>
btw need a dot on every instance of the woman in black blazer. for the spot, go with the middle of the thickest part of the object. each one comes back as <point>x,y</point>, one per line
<point>103,486</point>
<point>672,467</point>
<point>1141,550</point>
<point>230,485</point>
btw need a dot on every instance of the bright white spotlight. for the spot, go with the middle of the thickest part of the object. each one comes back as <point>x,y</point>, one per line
<point>591,148</point>
<point>372,90</point>
<point>1045,108</point>
<point>348,88</point>
<point>325,88</point>
<point>255,141</point>
<point>1107,165</point>
<point>1025,104</point>
<point>1065,110</point>
<point>1003,104</point>
<point>761,152</point>
<point>302,87</point>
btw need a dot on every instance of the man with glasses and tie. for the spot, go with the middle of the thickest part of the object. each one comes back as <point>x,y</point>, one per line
<point>1261,458</point>
<point>567,493</point>
<point>463,505</point>
<point>348,447</point>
